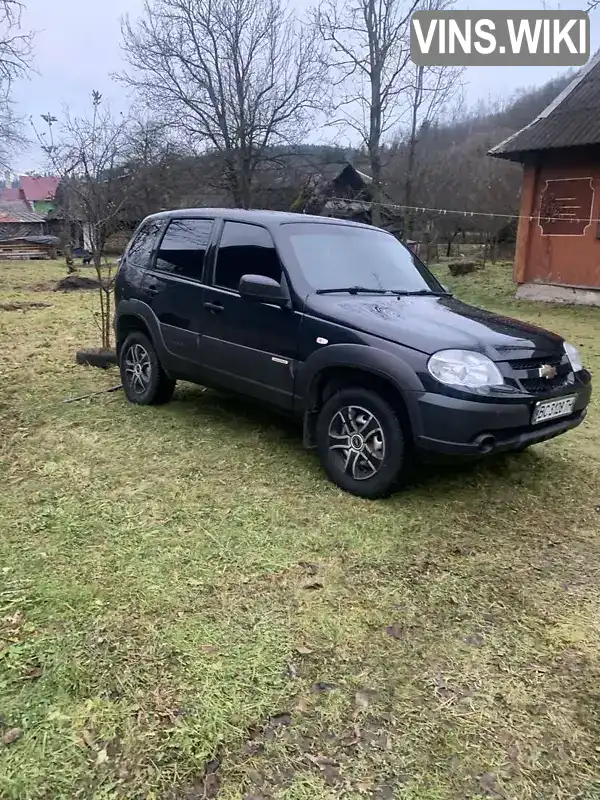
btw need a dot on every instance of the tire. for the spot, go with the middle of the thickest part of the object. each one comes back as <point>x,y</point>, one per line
<point>144,380</point>
<point>369,467</point>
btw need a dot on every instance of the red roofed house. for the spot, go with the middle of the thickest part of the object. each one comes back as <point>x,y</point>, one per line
<point>10,194</point>
<point>38,192</point>
<point>28,207</point>
<point>558,242</point>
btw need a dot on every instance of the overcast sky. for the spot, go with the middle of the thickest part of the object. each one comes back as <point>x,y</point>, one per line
<point>77,47</point>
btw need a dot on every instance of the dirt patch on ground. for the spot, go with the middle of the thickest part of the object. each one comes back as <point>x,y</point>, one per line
<point>76,283</point>
<point>48,286</point>
<point>288,745</point>
<point>22,305</point>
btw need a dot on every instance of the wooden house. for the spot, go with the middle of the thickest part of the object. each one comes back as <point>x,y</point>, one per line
<point>558,241</point>
<point>342,191</point>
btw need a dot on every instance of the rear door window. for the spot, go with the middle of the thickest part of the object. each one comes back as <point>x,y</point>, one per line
<point>143,246</point>
<point>183,248</point>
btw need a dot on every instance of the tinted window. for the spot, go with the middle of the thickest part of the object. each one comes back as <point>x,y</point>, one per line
<point>145,242</point>
<point>334,256</point>
<point>245,250</point>
<point>184,246</point>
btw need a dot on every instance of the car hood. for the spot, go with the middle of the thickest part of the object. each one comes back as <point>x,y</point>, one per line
<point>431,323</point>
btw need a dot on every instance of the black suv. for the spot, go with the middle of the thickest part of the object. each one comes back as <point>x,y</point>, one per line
<point>339,324</point>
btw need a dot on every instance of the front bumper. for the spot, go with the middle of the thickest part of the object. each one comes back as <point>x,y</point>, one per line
<point>449,426</point>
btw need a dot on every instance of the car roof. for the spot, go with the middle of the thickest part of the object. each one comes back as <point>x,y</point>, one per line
<point>258,216</point>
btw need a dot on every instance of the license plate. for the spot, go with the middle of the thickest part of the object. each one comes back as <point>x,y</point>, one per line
<point>551,409</point>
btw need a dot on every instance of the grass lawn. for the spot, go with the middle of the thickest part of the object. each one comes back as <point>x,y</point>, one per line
<point>189,609</point>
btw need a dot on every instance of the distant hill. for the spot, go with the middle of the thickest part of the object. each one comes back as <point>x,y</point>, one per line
<point>452,169</point>
<point>520,110</point>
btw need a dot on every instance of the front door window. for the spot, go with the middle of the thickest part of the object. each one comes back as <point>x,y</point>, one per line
<point>245,250</point>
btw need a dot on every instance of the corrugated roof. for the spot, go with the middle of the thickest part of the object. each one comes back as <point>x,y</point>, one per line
<point>17,211</point>
<point>571,120</point>
<point>37,189</point>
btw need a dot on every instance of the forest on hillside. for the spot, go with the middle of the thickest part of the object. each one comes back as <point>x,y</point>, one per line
<point>450,170</point>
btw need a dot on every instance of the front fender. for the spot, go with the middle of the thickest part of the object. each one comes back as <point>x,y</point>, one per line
<point>364,358</point>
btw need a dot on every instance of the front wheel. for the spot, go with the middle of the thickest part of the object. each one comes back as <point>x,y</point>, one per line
<point>144,380</point>
<point>361,443</point>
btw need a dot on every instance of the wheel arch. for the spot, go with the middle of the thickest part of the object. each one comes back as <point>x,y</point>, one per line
<point>129,323</point>
<point>132,315</point>
<point>361,366</point>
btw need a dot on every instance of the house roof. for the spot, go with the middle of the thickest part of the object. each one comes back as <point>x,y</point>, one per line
<point>571,120</point>
<point>17,211</point>
<point>38,189</point>
<point>345,172</point>
<point>10,193</point>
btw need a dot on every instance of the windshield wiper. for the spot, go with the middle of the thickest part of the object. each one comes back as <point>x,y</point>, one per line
<point>353,290</point>
<point>420,293</point>
<point>396,292</point>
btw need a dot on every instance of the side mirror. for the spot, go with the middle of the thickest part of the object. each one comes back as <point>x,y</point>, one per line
<point>261,289</point>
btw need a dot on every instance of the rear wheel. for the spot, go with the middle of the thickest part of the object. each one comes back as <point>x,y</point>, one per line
<point>361,443</point>
<point>144,380</point>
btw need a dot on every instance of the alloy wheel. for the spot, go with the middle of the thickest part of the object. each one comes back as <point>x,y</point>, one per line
<point>138,368</point>
<point>357,440</point>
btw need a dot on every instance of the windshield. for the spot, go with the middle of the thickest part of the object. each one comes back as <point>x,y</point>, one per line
<point>340,256</point>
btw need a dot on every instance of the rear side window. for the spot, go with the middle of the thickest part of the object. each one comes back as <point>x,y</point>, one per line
<point>141,248</point>
<point>245,250</point>
<point>183,248</point>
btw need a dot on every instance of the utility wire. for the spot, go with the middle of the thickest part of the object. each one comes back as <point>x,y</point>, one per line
<point>444,211</point>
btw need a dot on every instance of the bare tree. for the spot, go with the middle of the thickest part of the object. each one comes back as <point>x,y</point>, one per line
<point>381,90</point>
<point>12,138</point>
<point>88,154</point>
<point>15,45</point>
<point>369,56</point>
<point>235,76</point>
<point>15,52</point>
<point>150,155</point>
<point>429,92</point>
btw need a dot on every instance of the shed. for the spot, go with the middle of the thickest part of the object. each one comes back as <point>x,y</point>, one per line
<point>558,241</point>
<point>18,223</point>
<point>29,247</point>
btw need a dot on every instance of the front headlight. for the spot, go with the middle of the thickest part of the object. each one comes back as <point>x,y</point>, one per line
<point>464,368</point>
<point>573,356</point>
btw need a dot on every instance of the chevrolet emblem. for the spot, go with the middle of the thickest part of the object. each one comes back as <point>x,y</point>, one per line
<point>547,371</point>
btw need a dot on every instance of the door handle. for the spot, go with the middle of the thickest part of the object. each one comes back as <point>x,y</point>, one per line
<point>152,288</point>
<point>215,307</point>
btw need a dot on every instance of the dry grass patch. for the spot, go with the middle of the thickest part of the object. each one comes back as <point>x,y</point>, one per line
<point>188,609</point>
